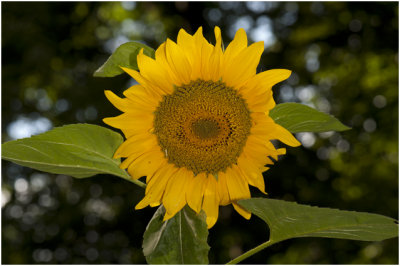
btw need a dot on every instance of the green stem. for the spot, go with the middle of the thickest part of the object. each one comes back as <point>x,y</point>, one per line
<point>251,252</point>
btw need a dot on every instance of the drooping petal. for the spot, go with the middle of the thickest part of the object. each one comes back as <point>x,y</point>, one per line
<point>241,211</point>
<point>282,134</point>
<point>211,202</point>
<point>251,172</point>
<point>156,186</point>
<point>257,148</point>
<point>195,191</point>
<point>238,188</point>
<point>222,188</point>
<point>174,200</point>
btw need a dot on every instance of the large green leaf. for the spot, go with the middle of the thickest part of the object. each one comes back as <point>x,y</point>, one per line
<point>179,240</point>
<point>297,117</point>
<point>78,150</point>
<point>289,220</point>
<point>124,56</point>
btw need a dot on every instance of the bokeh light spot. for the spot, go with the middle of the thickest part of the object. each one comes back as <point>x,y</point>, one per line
<point>307,139</point>
<point>369,125</point>
<point>5,196</point>
<point>379,101</point>
<point>21,185</point>
<point>24,127</point>
<point>355,25</point>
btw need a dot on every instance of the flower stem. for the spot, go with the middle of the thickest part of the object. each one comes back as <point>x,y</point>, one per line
<point>251,252</point>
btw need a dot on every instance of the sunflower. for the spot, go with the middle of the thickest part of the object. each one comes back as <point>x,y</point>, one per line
<point>197,124</point>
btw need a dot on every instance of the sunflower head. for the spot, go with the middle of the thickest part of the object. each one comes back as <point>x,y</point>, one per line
<point>197,124</point>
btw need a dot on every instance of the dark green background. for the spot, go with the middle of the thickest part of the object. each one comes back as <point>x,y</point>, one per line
<point>344,58</point>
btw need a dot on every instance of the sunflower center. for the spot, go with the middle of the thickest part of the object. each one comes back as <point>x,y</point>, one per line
<point>202,126</point>
<point>205,128</point>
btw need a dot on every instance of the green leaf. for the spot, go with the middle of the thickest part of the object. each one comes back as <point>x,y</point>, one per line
<point>290,220</point>
<point>79,150</point>
<point>179,240</point>
<point>125,56</point>
<point>297,117</point>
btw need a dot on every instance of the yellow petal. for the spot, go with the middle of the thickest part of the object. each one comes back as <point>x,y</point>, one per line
<point>195,191</point>
<point>257,90</point>
<point>265,125</point>
<point>175,197</point>
<point>218,37</point>
<point>135,75</point>
<point>137,144</point>
<point>258,151</point>
<point>131,120</point>
<point>161,58</point>
<point>178,62</point>
<point>143,98</point>
<point>198,40</point>
<point>238,188</point>
<point>214,63</point>
<point>125,164</point>
<point>142,80</point>
<point>186,42</point>
<point>155,73</point>
<point>285,136</point>
<point>265,80</point>
<point>251,172</point>
<point>260,103</point>
<point>262,124</point>
<point>222,188</point>
<point>211,202</point>
<point>243,66</point>
<point>241,211</point>
<point>206,67</point>
<point>146,164</point>
<point>155,204</point>
<point>143,203</point>
<point>123,105</point>
<point>156,186</point>
<point>238,43</point>
<point>281,151</point>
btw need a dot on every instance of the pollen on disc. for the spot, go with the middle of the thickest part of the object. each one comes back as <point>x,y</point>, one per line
<point>202,126</point>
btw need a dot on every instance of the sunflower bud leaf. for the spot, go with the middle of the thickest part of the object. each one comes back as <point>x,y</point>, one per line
<point>124,56</point>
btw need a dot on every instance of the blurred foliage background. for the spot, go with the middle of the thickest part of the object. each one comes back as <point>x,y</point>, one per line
<point>344,58</point>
